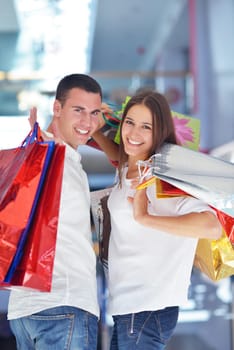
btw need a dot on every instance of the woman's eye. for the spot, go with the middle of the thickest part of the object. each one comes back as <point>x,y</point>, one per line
<point>128,122</point>
<point>146,127</point>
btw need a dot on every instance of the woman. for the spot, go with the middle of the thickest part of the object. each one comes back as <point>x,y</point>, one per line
<point>153,241</point>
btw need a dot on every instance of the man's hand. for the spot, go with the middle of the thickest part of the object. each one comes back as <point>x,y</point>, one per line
<point>53,129</point>
<point>32,116</point>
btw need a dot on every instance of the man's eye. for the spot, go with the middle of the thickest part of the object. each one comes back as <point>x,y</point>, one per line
<point>96,113</point>
<point>78,110</point>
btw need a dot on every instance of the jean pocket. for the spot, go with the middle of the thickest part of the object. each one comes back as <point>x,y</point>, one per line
<point>53,329</point>
<point>166,321</point>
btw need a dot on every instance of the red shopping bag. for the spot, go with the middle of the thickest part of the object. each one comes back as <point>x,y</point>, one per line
<point>227,223</point>
<point>164,189</point>
<point>36,267</point>
<point>22,172</point>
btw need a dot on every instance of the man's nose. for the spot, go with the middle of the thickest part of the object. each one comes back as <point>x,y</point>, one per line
<point>85,119</point>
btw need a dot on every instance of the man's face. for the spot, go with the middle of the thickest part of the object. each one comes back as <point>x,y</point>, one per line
<point>78,118</point>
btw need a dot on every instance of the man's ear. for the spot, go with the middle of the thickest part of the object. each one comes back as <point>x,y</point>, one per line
<point>57,108</point>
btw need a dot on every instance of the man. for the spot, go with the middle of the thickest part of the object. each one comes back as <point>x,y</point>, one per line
<point>66,318</point>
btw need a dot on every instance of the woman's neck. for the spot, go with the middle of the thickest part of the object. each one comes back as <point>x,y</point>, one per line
<point>132,169</point>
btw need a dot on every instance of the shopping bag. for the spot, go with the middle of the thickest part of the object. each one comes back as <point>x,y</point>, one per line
<point>101,220</point>
<point>22,173</point>
<point>215,258</point>
<point>164,189</point>
<point>227,223</point>
<point>36,254</point>
<point>187,130</point>
<point>200,175</point>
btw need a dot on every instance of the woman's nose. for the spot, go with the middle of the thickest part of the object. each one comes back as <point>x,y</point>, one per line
<point>135,132</point>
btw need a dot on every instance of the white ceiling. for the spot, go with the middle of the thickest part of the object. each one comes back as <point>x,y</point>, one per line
<point>8,16</point>
<point>129,35</point>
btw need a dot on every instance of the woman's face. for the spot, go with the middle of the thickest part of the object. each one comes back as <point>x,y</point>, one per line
<point>137,133</point>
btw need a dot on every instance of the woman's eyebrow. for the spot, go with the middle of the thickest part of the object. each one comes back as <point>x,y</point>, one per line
<point>145,123</point>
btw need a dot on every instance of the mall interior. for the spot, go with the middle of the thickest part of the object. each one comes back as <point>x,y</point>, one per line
<point>181,48</point>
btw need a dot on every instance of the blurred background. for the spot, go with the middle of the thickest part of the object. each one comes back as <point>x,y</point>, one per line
<point>182,48</point>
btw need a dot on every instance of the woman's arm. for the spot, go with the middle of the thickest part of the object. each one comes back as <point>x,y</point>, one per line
<point>109,147</point>
<point>200,225</point>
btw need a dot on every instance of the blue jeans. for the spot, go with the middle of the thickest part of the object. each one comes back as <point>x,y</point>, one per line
<point>148,330</point>
<point>59,328</point>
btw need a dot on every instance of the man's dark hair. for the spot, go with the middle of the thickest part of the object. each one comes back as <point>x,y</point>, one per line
<point>81,81</point>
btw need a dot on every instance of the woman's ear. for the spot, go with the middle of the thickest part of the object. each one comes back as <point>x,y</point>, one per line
<point>56,108</point>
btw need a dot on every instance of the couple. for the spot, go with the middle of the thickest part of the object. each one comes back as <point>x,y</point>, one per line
<point>152,243</point>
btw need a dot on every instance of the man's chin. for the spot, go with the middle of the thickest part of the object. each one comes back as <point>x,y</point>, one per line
<point>83,140</point>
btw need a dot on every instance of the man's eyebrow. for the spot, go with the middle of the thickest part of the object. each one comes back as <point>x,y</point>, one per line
<point>83,109</point>
<point>77,106</point>
<point>96,110</point>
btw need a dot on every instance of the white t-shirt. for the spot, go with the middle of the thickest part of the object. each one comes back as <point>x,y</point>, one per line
<point>74,275</point>
<point>148,269</point>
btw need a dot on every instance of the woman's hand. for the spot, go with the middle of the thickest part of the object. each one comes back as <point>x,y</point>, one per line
<point>140,205</point>
<point>139,202</point>
<point>105,109</point>
<point>107,145</point>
